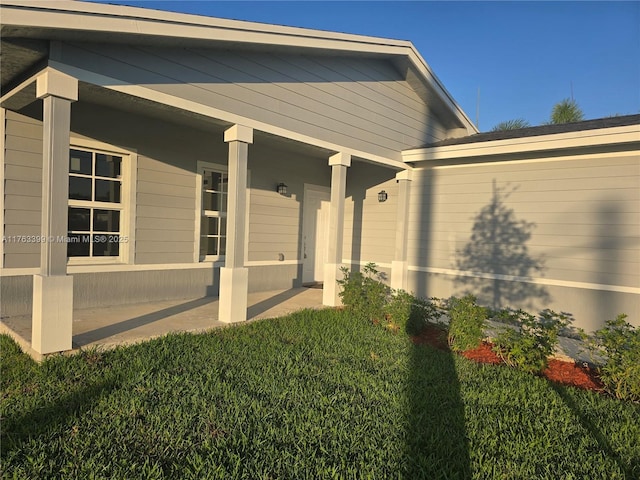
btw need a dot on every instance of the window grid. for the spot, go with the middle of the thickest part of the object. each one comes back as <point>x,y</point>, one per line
<point>214,214</point>
<point>90,240</point>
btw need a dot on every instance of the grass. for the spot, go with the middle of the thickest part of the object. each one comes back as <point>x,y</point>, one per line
<point>312,395</point>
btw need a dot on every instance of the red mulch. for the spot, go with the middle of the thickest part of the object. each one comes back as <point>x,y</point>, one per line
<point>483,354</point>
<point>570,373</point>
<point>567,373</point>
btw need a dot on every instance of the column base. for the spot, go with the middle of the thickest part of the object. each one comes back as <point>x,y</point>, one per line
<point>400,275</point>
<point>52,317</point>
<point>234,287</point>
<point>330,287</point>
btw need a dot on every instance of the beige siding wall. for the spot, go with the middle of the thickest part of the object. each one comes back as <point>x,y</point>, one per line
<point>354,102</point>
<point>165,214</point>
<point>23,189</point>
<point>574,221</point>
<point>370,226</point>
<point>275,221</point>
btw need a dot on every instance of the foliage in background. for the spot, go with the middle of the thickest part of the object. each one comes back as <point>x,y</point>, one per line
<point>566,111</point>
<point>619,342</point>
<point>513,124</point>
<point>528,345</point>
<point>467,321</point>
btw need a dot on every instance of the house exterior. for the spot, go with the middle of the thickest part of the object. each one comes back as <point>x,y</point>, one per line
<point>149,155</point>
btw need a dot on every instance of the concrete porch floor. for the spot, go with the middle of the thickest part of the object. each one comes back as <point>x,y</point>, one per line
<point>106,327</point>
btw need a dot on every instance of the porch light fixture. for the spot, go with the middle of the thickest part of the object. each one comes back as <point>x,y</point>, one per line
<point>382,196</point>
<point>282,189</point>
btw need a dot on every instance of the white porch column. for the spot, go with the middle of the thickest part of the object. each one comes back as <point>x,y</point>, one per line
<point>52,317</point>
<point>339,164</point>
<point>234,278</point>
<point>399,265</point>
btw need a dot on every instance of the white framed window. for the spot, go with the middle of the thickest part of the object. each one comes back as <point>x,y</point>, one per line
<point>211,214</point>
<point>100,203</point>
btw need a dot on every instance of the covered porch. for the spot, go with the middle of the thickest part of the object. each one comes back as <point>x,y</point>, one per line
<point>128,324</point>
<point>256,253</point>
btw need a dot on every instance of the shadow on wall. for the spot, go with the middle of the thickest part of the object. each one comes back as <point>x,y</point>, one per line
<point>498,248</point>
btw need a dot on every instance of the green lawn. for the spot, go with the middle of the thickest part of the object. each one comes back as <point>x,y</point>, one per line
<point>312,395</point>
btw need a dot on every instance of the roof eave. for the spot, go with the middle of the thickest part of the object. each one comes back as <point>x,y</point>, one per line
<point>541,143</point>
<point>127,21</point>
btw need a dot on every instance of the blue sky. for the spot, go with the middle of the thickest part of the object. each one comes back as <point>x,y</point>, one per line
<point>523,56</point>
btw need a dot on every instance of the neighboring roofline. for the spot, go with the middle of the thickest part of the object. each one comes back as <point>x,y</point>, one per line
<point>607,122</point>
<point>538,143</point>
<point>124,20</point>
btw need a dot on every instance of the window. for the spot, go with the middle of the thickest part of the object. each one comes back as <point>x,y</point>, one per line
<point>213,225</point>
<point>95,204</point>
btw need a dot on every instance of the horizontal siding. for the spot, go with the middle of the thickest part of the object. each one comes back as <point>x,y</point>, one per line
<point>23,188</point>
<point>358,103</point>
<point>275,221</point>
<point>370,226</point>
<point>583,219</point>
<point>165,212</point>
<point>590,309</point>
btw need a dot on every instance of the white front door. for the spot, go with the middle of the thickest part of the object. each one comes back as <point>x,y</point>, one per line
<point>315,232</point>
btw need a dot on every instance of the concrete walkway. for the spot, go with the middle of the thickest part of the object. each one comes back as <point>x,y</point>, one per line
<point>123,325</point>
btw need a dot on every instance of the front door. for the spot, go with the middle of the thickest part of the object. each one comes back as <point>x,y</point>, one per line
<point>315,232</point>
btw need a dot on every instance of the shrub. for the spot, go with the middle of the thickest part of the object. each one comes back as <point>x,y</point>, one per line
<point>363,293</point>
<point>423,312</point>
<point>529,345</point>
<point>466,323</point>
<point>619,342</point>
<point>411,313</point>
<point>398,309</point>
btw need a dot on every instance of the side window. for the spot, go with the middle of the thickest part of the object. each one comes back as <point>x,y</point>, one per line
<point>213,226</point>
<point>95,225</point>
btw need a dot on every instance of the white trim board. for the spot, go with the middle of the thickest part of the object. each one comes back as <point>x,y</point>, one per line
<point>178,28</point>
<point>537,281</point>
<point>119,267</point>
<point>365,262</point>
<point>555,141</point>
<point>541,159</point>
<point>3,143</point>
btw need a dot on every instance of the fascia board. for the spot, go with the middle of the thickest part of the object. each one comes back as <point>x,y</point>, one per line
<point>112,19</point>
<point>559,141</point>
<point>65,15</point>
<point>423,67</point>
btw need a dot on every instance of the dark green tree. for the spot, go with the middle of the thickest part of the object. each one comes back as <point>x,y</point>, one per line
<point>513,124</point>
<point>566,111</point>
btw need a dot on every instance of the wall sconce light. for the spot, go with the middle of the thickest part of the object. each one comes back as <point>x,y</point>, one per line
<point>382,196</point>
<point>282,189</point>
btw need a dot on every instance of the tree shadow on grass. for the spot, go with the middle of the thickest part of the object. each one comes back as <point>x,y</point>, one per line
<point>437,444</point>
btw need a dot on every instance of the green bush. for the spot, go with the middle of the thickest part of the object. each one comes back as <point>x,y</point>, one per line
<point>398,309</point>
<point>466,323</point>
<point>363,293</point>
<point>410,313</point>
<point>529,345</point>
<point>619,342</point>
